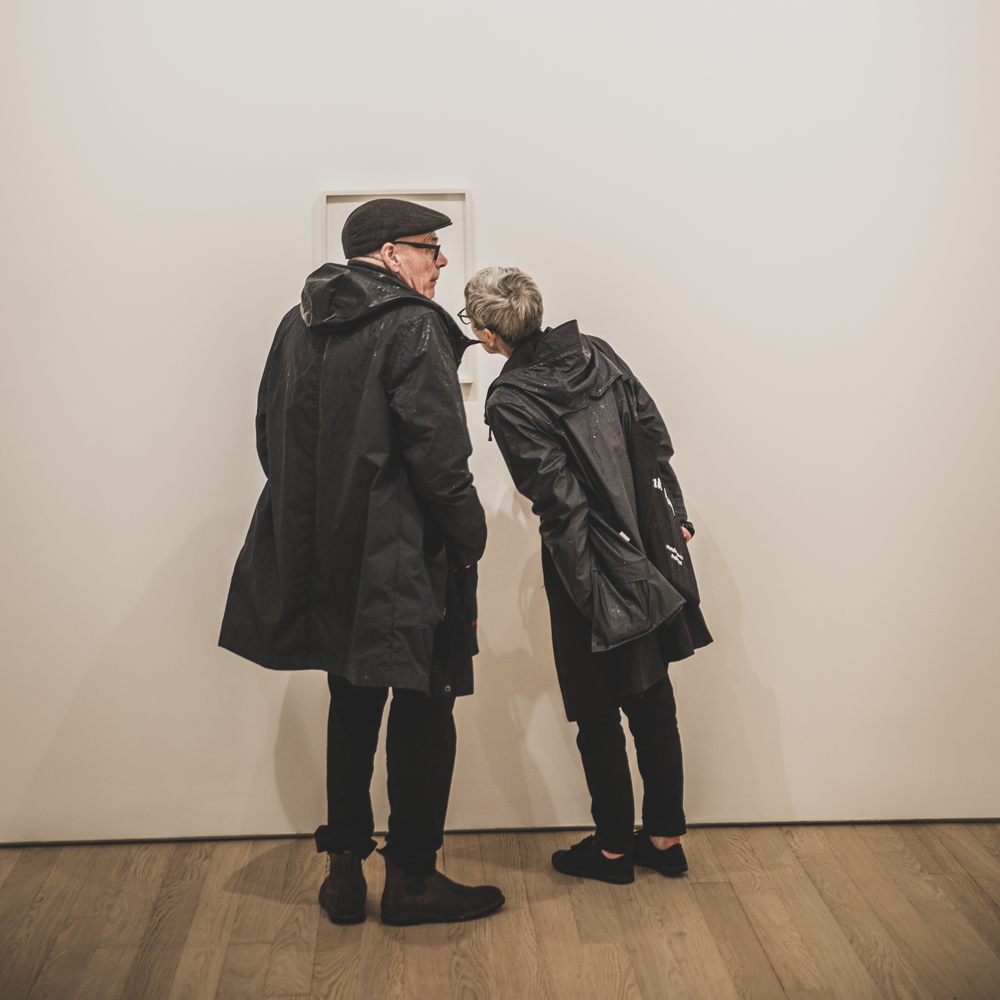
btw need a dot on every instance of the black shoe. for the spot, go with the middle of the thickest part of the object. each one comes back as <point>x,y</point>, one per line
<point>342,895</point>
<point>669,862</point>
<point>434,898</point>
<point>587,860</point>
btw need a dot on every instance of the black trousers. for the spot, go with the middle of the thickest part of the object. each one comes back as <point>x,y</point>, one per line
<point>420,759</point>
<point>652,719</point>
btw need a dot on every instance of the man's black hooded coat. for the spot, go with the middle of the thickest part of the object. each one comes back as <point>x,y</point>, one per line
<point>359,541</point>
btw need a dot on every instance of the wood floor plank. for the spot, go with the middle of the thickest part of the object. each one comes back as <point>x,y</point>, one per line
<point>243,972</point>
<point>954,932</point>
<point>293,950</point>
<point>975,905</point>
<point>509,935</point>
<point>911,906</point>
<point>776,930</point>
<point>937,972</point>
<point>359,962</point>
<point>100,878</point>
<point>749,968</point>
<point>886,961</point>
<point>656,968</point>
<point>106,972</point>
<point>838,963</point>
<point>203,955</point>
<point>702,863</point>
<point>476,968</point>
<point>27,951</point>
<point>65,962</point>
<point>973,855</point>
<point>809,846</point>
<point>560,953</point>
<point>988,834</point>
<point>670,908</point>
<point>170,919</point>
<point>20,888</point>
<point>595,910</point>
<point>379,948</point>
<point>9,857</point>
<point>468,944</point>
<point>336,973</point>
<point>609,974</point>
<point>933,856</point>
<point>118,944</point>
<point>260,884</point>
<point>140,888</point>
<point>427,951</point>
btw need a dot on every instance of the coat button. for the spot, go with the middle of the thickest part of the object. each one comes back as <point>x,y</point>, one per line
<point>447,688</point>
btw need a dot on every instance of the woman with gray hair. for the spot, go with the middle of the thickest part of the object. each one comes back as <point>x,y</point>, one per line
<point>585,443</point>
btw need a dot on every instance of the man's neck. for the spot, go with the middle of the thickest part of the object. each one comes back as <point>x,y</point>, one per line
<point>369,261</point>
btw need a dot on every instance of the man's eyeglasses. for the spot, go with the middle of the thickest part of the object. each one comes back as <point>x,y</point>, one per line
<point>436,247</point>
<point>464,316</point>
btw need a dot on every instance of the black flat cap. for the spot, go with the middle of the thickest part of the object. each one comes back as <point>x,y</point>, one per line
<point>384,220</point>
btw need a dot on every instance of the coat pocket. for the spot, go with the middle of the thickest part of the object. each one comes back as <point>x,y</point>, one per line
<point>631,596</point>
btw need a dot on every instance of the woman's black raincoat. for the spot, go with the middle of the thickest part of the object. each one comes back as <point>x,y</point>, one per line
<point>354,559</point>
<point>561,412</point>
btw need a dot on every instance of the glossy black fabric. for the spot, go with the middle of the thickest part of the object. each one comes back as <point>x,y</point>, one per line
<point>594,683</point>
<point>420,759</point>
<point>652,719</point>
<point>361,432</point>
<point>561,412</point>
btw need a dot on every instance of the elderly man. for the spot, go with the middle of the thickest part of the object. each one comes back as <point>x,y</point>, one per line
<point>585,443</point>
<point>360,559</point>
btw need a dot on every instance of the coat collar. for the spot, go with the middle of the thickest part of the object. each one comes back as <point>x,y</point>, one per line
<point>546,345</point>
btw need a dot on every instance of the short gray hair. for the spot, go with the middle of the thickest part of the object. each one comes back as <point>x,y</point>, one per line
<point>506,301</point>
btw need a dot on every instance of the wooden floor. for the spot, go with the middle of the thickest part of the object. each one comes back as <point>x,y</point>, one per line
<point>846,912</point>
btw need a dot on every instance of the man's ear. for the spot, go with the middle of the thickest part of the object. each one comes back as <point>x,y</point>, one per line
<point>389,258</point>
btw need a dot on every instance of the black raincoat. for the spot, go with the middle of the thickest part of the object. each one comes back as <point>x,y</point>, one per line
<point>354,561</point>
<point>561,412</point>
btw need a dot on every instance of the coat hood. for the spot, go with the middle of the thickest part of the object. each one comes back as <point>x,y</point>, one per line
<point>560,365</point>
<point>339,298</point>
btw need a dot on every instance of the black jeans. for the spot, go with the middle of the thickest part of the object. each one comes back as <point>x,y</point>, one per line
<point>420,759</point>
<point>652,718</point>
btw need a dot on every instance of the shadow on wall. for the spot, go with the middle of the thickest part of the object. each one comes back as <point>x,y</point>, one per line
<point>517,762</point>
<point>518,742</point>
<point>514,744</point>
<point>168,735</point>
<point>300,750</point>
<point>730,722</point>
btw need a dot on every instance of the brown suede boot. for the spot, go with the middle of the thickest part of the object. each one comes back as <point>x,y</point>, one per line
<point>434,899</point>
<point>343,893</point>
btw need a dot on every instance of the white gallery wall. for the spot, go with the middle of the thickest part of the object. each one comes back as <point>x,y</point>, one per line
<point>784,215</point>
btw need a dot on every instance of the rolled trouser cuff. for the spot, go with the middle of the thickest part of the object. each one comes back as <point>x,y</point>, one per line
<point>328,842</point>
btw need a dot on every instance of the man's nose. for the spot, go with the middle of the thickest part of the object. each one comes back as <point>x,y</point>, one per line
<point>442,261</point>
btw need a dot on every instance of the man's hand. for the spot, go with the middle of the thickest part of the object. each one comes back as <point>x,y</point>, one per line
<point>687,534</point>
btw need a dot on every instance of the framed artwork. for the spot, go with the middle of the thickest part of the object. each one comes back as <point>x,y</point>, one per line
<point>457,243</point>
